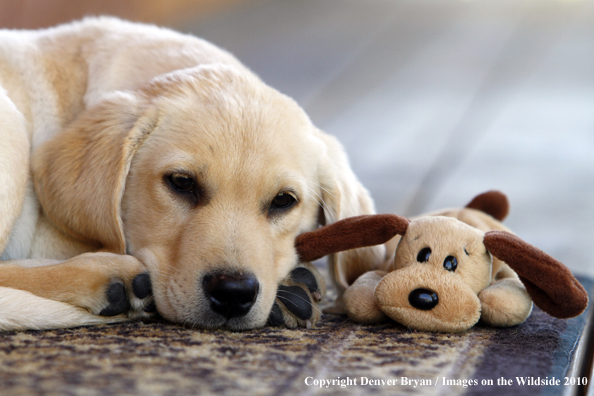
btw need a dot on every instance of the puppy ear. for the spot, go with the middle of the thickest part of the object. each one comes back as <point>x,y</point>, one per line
<point>493,203</point>
<point>350,233</point>
<point>80,173</point>
<point>343,196</point>
<point>551,284</point>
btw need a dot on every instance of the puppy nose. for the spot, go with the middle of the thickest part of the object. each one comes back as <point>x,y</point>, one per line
<point>231,294</point>
<point>423,299</point>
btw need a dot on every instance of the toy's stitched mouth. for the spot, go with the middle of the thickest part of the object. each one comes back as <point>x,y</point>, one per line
<point>419,298</point>
<point>416,312</point>
<point>425,321</point>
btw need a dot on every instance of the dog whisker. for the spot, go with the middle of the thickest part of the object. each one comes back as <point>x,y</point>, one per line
<point>320,200</point>
<point>322,188</point>
<point>301,298</point>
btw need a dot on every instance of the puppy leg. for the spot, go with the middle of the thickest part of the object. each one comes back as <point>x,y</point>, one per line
<point>14,166</point>
<point>104,284</point>
<point>21,310</point>
<point>298,298</point>
<point>505,303</point>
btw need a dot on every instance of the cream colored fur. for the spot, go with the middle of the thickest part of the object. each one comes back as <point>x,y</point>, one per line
<point>93,116</point>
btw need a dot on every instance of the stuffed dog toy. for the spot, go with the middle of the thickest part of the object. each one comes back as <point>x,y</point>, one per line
<point>451,268</point>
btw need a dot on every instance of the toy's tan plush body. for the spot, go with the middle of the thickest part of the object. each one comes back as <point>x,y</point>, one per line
<point>479,287</point>
<point>451,269</point>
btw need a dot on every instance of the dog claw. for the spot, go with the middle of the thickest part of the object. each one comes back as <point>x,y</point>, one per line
<point>317,296</point>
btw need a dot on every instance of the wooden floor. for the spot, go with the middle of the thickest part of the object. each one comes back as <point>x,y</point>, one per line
<point>437,101</point>
<point>35,14</point>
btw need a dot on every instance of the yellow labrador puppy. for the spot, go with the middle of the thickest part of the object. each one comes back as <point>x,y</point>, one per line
<point>140,167</point>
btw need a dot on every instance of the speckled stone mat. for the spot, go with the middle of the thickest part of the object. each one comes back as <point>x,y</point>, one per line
<point>164,359</point>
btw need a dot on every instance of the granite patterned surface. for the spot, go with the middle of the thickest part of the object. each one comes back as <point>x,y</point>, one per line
<point>163,359</point>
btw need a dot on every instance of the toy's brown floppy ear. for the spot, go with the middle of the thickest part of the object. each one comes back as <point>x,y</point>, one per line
<point>551,284</point>
<point>80,174</point>
<point>493,203</point>
<point>350,233</point>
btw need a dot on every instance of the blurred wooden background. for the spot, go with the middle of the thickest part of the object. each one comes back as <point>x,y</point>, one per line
<point>33,14</point>
<point>434,100</point>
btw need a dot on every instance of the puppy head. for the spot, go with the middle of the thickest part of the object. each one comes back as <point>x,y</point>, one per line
<point>207,176</point>
<point>441,265</point>
<point>217,194</point>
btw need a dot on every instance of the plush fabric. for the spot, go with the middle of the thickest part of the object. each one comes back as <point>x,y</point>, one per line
<point>550,284</point>
<point>493,203</point>
<point>353,232</point>
<point>450,268</point>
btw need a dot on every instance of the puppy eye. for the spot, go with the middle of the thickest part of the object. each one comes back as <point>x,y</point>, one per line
<point>450,263</point>
<point>283,201</point>
<point>424,255</point>
<point>182,183</point>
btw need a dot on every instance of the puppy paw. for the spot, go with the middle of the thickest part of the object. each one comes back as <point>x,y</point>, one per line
<point>298,297</point>
<point>108,284</point>
<point>134,298</point>
<point>104,284</point>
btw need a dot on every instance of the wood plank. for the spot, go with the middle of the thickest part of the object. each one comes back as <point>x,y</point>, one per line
<point>296,46</point>
<point>540,148</point>
<point>34,14</point>
<point>405,122</point>
<point>526,50</point>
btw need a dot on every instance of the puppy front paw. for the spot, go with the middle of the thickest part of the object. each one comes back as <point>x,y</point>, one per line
<point>134,297</point>
<point>107,284</point>
<point>298,297</point>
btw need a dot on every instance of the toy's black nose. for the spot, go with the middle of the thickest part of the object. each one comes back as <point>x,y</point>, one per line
<point>231,294</point>
<point>423,299</point>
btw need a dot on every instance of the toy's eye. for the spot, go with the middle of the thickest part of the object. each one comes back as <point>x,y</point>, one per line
<point>423,255</point>
<point>450,263</point>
